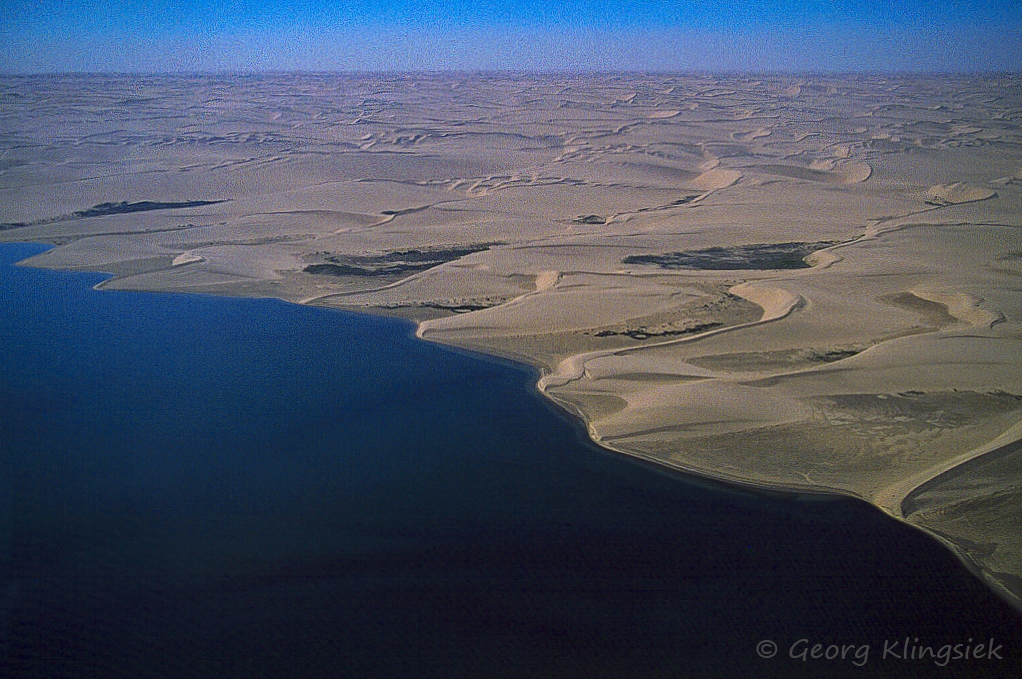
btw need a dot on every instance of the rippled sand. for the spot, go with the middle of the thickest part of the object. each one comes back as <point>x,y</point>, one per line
<point>793,282</point>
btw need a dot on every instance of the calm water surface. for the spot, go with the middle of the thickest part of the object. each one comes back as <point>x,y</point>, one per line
<point>212,487</point>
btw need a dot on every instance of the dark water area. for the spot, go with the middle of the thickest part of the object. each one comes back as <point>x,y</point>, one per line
<point>212,487</point>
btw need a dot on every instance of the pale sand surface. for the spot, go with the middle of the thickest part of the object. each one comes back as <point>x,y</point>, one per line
<point>632,236</point>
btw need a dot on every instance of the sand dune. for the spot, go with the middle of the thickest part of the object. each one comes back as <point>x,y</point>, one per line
<point>806,284</point>
<point>959,192</point>
<point>186,258</point>
<point>716,179</point>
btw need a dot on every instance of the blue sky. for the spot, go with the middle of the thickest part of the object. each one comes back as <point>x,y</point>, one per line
<point>587,35</point>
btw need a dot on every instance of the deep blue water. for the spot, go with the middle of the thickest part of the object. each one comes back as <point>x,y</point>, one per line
<point>211,487</point>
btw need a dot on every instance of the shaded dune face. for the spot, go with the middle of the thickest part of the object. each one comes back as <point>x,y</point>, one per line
<point>794,267</point>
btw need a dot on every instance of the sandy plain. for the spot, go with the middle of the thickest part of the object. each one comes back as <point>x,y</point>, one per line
<point>807,283</point>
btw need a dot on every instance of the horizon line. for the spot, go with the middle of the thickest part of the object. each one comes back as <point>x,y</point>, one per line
<point>516,71</point>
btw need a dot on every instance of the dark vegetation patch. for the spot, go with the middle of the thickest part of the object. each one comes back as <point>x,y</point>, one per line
<point>140,206</point>
<point>646,333</point>
<point>456,308</point>
<point>765,256</point>
<point>448,305</point>
<point>346,270</point>
<point>104,209</point>
<point>392,263</point>
<point>831,355</point>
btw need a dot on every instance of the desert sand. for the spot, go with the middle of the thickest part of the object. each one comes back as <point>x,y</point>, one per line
<point>806,283</point>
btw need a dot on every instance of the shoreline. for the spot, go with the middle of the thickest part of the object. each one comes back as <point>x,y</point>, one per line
<point>413,493</point>
<point>882,503</point>
<point>572,413</point>
<point>801,283</point>
<point>746,484</point>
